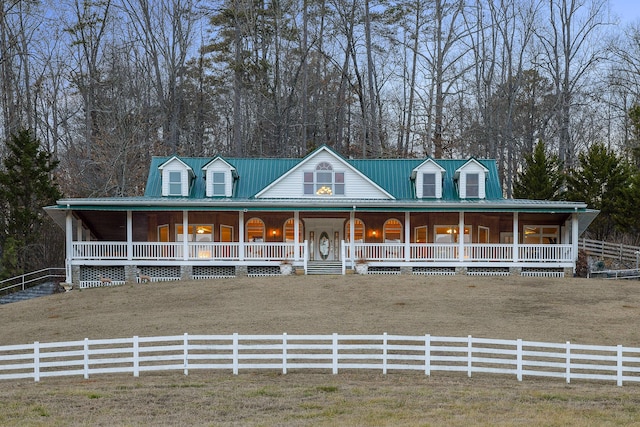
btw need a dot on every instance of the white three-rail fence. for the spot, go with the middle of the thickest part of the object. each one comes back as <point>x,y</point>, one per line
<point>332,353</point>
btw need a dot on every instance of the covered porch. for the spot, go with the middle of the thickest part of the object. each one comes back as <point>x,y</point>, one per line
<point>201,243</point>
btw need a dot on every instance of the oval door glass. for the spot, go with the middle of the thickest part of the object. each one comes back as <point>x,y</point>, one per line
<point>324,245</point>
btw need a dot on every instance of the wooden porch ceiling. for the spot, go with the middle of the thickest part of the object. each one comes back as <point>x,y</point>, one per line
<point>108,226</point>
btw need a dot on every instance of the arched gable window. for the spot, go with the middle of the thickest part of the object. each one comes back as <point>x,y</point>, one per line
<point>392,230</point>
<point>324,181</point>
<point>289,231</point>
<point>255,230</point>
<point>358,230</point>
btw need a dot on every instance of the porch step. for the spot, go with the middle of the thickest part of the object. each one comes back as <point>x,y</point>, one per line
<point>324,267</point>
<point>33,292</point>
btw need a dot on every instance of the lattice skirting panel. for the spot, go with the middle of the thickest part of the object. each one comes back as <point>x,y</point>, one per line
<point>158,273</point>
<point>435,271</point>
<point>93,276</point>
<point>383,270</point>
<point>542,272</point>
<point>481,271</point>
<point>265,270</point>
<point>214,272</point>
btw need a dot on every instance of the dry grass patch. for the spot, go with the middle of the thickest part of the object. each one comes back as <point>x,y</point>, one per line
<point>302,399</point>
<point>578,310</point>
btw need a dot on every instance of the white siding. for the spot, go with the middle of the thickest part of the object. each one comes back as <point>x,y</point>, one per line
<point>357,186</point>
<point>472,168</point>
<point>175,166</point>
<point>219,166</point>
<point>428,167</point>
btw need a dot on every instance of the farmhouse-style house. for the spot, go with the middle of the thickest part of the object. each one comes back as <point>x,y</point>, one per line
<point>224,217</point>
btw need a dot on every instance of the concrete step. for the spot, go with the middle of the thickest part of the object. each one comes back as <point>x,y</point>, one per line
<point>44,289</point>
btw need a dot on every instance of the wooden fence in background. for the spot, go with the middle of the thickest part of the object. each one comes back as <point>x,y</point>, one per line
<point>610,250</point>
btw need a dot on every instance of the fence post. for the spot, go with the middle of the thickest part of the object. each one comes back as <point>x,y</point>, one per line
<point>568,361</point>
<point>619,365</point>
<point>335,353</point>
<point>469,355</point>
<point>36,361</point>
<point>384,353</point>
<point>519,359</point>
<point>235,353</point>
<point>284,353</point>
<point>186,353</point>
<point>427,355</point>
<point>620,254</point>
<point>86,358</point>
<point>136,355</point>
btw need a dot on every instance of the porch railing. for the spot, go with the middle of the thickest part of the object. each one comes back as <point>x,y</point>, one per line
<point>544,253</point>
<point>273,251</point>
<point>100,250</point>
<point>155,250</point>
<point>451,252</point>
<point>376,251</point>
<point>213,250</point>
<point>175,251</point>
<point>269,251</point>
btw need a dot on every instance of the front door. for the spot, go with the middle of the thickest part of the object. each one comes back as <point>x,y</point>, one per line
<point>325,248</point>
<point>324,236</point>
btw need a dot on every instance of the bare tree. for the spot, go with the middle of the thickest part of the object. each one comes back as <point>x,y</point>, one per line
<point>165,28</point>
<point>445,55</point>
<point>570,47</point>
<point>19,23</point>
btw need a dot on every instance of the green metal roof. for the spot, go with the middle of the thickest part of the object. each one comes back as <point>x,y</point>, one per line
<point>393,175</point>
<point>254,175</point>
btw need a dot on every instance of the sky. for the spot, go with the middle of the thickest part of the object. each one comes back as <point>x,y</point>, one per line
<point>627,10</point>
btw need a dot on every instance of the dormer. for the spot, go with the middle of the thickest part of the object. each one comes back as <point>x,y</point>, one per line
<point>471,178</point>
<point>219,176</point>
<point>428,178</point>
<point>176,177</point>
<point>324,174</point>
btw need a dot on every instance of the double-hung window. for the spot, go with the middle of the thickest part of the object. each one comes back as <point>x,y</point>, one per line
<point>324,181</point>
<point>218,186</point>
<point>175,183</point>
<point>473,185</point>
<point>429,185</point>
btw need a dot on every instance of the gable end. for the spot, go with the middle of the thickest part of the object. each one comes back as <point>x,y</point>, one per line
<point>219,178</point>
<point>177,177</point>
<point>472,179</point>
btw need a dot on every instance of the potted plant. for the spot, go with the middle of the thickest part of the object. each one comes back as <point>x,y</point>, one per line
<point>361,266</point>
<point>286,267</point>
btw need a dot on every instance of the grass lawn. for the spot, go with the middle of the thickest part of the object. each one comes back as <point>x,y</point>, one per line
<point>578,310</point>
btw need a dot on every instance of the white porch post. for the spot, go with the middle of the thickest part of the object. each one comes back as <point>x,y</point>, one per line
<point>185,235</point>
<point>574,238</point>
<point>69,245</point>
<point>352,233</point>
<point>241,235</point>
<point>296,237</point>
<point>515,237</point>
<point>461,237</point>
<point>129,235</point>
<point>407,236</point>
